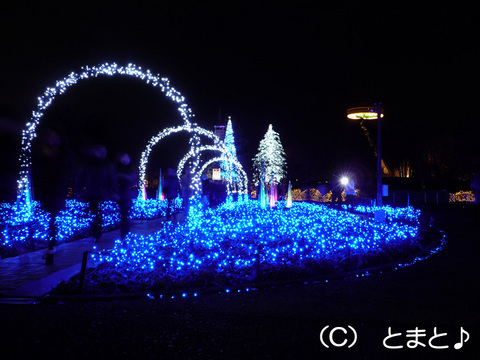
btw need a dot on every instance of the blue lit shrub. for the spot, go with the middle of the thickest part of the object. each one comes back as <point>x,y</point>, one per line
<point>22,231</point>
<point>238,242</point>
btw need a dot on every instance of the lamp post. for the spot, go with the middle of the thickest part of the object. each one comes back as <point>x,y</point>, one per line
<point>371,113</point>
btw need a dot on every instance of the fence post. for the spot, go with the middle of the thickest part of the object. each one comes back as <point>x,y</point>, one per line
<point>82,272</point>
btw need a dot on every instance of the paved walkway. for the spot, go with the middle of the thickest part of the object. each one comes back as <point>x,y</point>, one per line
<point>27,275</point>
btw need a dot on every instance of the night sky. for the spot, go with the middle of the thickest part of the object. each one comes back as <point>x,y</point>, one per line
<point>296,66</point>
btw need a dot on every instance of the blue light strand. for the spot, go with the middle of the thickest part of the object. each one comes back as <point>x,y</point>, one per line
<point>73,222</point>
<point>235,238</point>
<point>407,214</point>
<point>233,241</point>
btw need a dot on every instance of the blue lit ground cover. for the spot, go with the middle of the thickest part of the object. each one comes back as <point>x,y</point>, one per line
<point>22,231</point>
<point>239,244</point>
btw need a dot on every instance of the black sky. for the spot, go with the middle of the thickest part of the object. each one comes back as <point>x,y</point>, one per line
<point>299,66</point>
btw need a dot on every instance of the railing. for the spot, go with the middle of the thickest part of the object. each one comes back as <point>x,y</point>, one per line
<point>395,198</point>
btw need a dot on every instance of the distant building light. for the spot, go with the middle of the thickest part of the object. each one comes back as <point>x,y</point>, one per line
<point>216,174</point>
<point>220,131</point>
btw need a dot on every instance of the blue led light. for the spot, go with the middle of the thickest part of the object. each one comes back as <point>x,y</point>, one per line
<point>238,237</point>
<point>73,222</point>
<point>236,241</point>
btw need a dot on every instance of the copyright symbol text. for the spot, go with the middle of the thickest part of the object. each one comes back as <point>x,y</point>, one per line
<point>337,336</point>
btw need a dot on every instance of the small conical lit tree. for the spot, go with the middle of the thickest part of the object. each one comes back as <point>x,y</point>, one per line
<point>263,195</point>
<point>289,196</point>
<point>273,195</point>
<point>160,195</point>
<point>271,153</point>
<point>228,168</point>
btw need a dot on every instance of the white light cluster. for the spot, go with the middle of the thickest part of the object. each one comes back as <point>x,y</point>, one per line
<point>272,156</point>
<point>242,182</point>
<point>191,153</point>
<point>194,152</point>
<point>44,101</point>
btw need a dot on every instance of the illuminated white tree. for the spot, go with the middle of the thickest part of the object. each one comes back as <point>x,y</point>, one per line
<point>272,156</point>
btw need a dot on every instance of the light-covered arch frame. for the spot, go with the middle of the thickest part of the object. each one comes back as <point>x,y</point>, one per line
<point>243,188</point>
<point>194,152</point>
<point>44,101</point>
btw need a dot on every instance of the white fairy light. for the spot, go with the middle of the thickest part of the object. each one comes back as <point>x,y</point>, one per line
<point>194,152</point>
<point>243,182</point>
<point>191,153</point>
<point>44,101</point>
<point>106,69</point>
<point>272,156</point>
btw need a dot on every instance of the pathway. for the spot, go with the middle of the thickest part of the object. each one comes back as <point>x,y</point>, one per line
<point>27,275</point>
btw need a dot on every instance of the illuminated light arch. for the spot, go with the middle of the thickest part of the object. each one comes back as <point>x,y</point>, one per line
<point>194,152</point>
<point>191,153</point>
<point>243,174</point>
<point>106,69</point>
<point>223,149</point>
